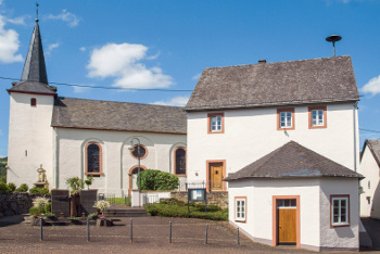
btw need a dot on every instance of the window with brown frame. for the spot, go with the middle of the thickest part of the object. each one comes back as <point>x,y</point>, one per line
<point>215,123</point>
<point>180,161</point>
<point>317,117</point>
<point>285,119</point>
<point>33,102</point>
<point>94,159</point>
<point>340,210</point>
<point>240,209</point>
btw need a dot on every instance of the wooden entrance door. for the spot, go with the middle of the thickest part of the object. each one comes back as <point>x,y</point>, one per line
<point>287,221</point>
<point>216,176</point>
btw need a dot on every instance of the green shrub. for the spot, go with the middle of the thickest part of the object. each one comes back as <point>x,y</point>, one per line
<point>12,187</point>
<point>39,191</point>
<point>41,206</point>
<point>22,188</point>
<point>172,201</point>
<point>4,187</point>
<point>154,179</point>
<point>176,210</point>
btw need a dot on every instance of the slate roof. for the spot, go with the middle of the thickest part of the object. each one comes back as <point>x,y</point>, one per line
<point>293,161</point>
<point>120,116</point>
<point>374,147</point>
<point>34,77</point>
<point>271,84</point>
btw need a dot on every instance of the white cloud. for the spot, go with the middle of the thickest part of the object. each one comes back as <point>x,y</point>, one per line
<point>373,86</point>
<point>123,62</point>
<point>196,76</point>
<point>175,101</point>
<point>78,89</point>
<point>71,19</point>
<point>17,20</point>
<point>51,47</point>
<point>82,49</point>
<point>9,44</point>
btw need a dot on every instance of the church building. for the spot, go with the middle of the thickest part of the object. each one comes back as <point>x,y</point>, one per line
<point>79,137</point>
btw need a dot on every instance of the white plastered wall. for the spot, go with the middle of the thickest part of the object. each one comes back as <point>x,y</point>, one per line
<point>370,185</point>
<point>30,140</point>
<point>250,134</point>
<point>117,159</point>
<point>315,231</point>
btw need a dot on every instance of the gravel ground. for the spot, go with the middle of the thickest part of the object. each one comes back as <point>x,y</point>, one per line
<point>150,236</point>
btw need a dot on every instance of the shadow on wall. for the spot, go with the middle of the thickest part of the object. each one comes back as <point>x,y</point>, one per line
<point>375,207</point>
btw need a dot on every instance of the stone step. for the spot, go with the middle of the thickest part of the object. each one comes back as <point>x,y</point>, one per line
<point>125,212</point>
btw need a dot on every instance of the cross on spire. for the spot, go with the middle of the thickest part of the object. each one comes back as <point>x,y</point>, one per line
<point>37,5</point>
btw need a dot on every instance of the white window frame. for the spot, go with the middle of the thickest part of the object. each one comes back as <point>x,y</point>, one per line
<point>347,213</point>
<point>317,119</point>
<point>216,123</point>
<point>240,209</point>
<point>288,123</point>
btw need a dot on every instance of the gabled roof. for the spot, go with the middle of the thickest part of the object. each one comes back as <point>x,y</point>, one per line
<point>272,84</point>
<point>374,146</point>
<point>34,77</point>
<point>293,161</point>
<point>119,116</point>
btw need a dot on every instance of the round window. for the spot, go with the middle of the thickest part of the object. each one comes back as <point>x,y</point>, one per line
<point>139,151</point>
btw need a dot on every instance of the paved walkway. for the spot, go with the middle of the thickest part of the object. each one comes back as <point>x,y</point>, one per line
<point>150,236</point>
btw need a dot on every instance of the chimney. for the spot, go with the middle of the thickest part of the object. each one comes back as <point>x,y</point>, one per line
<point>262,61</point>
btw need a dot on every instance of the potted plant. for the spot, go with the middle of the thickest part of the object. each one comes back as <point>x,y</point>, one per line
<point>75,184</point>
<point>101,205</point>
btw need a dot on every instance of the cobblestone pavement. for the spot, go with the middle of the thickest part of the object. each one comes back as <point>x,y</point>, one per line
<point>150,236</point>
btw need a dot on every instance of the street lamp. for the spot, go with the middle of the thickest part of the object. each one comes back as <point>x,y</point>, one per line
<point>132,148</point>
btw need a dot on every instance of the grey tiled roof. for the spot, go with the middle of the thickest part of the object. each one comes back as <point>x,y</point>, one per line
<point>293,161</point>
<point>374,147</point>
<point>33,87</point>
<point>120,116</point>
<point>273,84</point>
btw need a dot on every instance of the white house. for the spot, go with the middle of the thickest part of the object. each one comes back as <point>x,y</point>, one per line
<point>286,135</point>
<point>77,137</point>
<point>238,114</point>
<point>370,186</point>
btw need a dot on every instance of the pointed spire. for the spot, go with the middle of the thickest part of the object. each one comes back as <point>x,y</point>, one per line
<point>34,67</point>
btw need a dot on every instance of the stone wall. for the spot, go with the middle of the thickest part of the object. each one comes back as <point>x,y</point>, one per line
<point>214,198</point>
<point>15,203</point>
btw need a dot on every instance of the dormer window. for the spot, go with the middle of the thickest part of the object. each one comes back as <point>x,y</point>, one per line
<point>33,102</point>
<point>285,119</point>
<point>215,123</point>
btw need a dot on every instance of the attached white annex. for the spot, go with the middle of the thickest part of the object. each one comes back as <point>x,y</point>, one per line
<point>370,186</point>
<point>296,196</point>
<point>79,137</point>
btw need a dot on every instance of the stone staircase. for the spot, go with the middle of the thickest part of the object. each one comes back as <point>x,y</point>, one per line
<point>120,211</point>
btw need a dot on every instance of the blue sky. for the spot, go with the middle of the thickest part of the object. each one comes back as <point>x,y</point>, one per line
<point>167,44</point>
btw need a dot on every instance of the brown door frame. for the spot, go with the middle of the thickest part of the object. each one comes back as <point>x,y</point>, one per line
<point>275,221</point>
<point>208,174</point>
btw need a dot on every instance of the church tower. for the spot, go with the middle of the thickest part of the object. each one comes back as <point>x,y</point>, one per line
<point>30,141</point>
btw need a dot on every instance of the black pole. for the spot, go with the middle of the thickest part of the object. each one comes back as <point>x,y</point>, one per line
<point>206,234</point>
<point>88,229</point>
<point>170,231</point>
<point>131,230</point>
<point>41,229</point>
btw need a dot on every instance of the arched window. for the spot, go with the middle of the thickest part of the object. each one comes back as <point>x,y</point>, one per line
<point>180,161</point>
<point>94,159</point>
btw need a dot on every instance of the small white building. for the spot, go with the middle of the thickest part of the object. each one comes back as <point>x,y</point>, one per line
<point>370,186</point>
<point>294,195</point>
<point>78,137</point>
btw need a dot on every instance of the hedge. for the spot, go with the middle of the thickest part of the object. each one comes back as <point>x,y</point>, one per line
<point>154,179</point>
